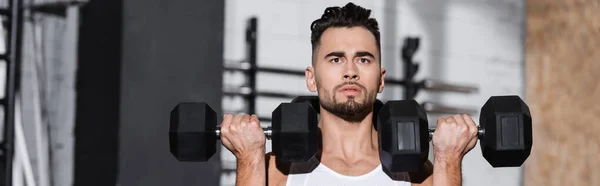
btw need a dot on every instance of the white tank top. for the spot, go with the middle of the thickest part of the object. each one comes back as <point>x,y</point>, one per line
<point>322,175</point>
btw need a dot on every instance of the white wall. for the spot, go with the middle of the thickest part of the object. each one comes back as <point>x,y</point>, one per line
<point>478,42</point>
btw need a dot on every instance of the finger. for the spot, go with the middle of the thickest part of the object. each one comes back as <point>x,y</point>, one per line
<point>450,119</point>
<point>235,128</point>
<point>245,120</point>
<point>472,127</point>
<point>235,124</point>
<point>226,142</point>
<point>460,121</point>
<point>227,118</point>
<point>254,120</point>
<point>472,144</point>
<point>225,130</point>
<point>440,120</point>
<point>468,119</point>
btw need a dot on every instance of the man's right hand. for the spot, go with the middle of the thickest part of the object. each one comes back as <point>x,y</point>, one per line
<point>454,136</point>
<point>244,137</point>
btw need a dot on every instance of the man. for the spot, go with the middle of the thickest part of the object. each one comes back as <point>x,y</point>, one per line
<point>347,75</point>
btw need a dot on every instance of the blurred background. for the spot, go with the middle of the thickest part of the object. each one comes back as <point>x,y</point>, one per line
<point>87,86</point>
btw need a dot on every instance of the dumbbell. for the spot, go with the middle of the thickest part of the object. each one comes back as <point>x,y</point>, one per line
<point>193,132</point>
<point>504,133</point>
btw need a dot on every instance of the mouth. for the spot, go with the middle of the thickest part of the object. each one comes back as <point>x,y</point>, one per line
<point>350,90</point>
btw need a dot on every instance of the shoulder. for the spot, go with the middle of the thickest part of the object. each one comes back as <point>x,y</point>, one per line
<point>275,177</point>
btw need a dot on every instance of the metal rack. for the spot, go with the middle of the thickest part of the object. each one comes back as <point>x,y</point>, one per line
<point>12,57</point>
<point>411,87</point>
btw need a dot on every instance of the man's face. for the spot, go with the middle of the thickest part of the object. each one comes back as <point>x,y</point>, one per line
<point>347,72</point>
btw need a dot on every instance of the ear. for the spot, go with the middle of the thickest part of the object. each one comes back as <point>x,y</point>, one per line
<point>311,83</point>
<point>382,80</point>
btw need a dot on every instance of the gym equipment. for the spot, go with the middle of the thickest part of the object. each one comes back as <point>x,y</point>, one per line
<point>249,66</point>
<point>193,132</point>
<point>13,13</point>
<point>504,133</point>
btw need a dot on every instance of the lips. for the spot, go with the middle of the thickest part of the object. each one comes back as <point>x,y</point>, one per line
<point>350,88</point>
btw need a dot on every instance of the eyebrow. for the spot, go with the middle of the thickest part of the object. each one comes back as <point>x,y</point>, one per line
<point>358,54</point>
<point>364,53</point>
<point>335,54</point>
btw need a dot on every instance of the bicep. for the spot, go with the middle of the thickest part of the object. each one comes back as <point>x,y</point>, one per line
<point>274,176</point>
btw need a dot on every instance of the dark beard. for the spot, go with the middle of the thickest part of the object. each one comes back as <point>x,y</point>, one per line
<point>350,110</point>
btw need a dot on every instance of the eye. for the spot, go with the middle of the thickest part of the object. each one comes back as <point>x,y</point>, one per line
<point>335,60</point>
<point>364,60</point>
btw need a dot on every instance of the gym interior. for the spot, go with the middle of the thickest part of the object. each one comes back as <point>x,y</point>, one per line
<point>90,88</point>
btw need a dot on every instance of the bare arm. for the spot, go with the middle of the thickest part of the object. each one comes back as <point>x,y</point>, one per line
<point>454,137</point>
<point>244,137</point>
<point>251,171</point>
<point>447,171</point>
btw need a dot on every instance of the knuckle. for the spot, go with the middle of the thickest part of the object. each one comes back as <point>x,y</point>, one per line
<point>463,128</point>
<point>233,128</point>
<point>451,119</point>
<point>474,130</point>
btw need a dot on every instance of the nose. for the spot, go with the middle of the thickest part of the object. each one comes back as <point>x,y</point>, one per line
<point>351,72</point>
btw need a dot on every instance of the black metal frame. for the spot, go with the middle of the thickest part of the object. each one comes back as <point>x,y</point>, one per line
<point>14,12</point>
<point>411,88</point>
<point>252,49</point>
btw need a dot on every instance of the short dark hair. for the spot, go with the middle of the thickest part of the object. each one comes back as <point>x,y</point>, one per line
<point>350,15</point>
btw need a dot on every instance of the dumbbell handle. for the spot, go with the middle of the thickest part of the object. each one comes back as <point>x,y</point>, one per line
<point>268,132</point>
<point>480,132</point>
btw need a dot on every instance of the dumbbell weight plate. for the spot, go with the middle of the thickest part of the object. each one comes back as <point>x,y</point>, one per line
<point>402,129</point>
<point>192,132</point>
<point>295,132</point>
<point>506,122</point>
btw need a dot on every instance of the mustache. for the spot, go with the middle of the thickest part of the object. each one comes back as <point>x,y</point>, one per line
<point>338,87</point>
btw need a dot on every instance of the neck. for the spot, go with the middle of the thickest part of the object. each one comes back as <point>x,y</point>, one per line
<point>345,139</point>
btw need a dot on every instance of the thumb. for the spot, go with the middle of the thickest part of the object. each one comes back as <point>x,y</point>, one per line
<point>471,144</point>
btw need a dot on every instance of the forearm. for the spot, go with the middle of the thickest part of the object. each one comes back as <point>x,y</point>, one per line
<point>447,171</point>
<point>251,172</point>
